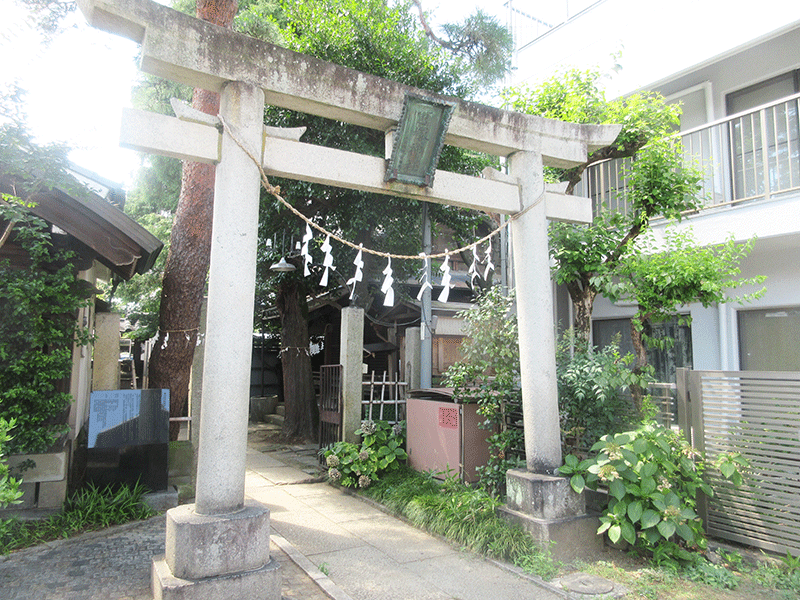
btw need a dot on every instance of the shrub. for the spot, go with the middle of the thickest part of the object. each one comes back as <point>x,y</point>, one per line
<point>38,305</point>
<point>381,451</point>
<point>9,487</point>
<point>466,516</point>
<point>653,477</point>
<point>591,392</point>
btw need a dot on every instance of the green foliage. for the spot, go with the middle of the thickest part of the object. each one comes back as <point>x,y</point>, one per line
<point>489,375</point>
<point>37,331</point>
<point>370,36</point>
<point>139,298</point>
<point>260,19</point>
<point>9,486</point>
<point>381,451</point>
<point>466,516</point>
<point>591,392</point>
<point>482,45</point>
<point>664,277</point>
<point>659,183</point>
<point>577,96</point>
<point>88,509</point>
<point>653,477</point>
<point>539,563</point>
<point>781,576</point>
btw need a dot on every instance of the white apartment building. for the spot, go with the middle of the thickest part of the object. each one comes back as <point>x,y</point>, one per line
<point>737,74</point>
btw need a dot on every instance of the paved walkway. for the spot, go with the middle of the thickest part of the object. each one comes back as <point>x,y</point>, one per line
<point>331,545</point>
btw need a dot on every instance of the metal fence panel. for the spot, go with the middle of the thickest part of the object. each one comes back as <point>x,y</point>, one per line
<point>756,414</point>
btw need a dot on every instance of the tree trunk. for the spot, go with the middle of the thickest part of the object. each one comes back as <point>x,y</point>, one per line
<point>582,297</point>
<point>187,263</point>
<point>300,419</point>
<point>640,354</point>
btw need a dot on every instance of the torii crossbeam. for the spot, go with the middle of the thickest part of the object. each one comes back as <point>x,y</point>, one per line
<point>248,73</point>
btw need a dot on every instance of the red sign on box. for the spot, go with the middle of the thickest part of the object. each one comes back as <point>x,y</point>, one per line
<point>448,417</point>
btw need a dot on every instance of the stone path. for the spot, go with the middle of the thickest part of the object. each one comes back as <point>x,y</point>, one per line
<point>113,565</point>
<point>331,545</point>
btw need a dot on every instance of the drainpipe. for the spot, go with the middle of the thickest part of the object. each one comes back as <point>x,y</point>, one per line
<point>724,348</point>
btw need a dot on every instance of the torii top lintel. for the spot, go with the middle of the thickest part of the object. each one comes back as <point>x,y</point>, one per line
<point>187,50</point>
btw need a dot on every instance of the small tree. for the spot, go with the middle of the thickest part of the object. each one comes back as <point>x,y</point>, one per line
<point>663,278</point>
<point>658,183</point>
<point>592,398</point>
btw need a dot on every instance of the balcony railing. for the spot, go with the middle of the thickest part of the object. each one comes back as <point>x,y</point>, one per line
<point>750,156</point>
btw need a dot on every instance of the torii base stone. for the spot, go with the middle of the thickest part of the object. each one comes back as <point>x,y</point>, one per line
<point>218,556</point>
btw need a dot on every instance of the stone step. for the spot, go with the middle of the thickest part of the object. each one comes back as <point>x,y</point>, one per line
<point>275,419</point>
<point>280,410</point>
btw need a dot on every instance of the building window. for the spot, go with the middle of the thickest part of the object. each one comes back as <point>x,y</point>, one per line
<point>764,144</point>
<point>664,362</point>
<point>769,340</point>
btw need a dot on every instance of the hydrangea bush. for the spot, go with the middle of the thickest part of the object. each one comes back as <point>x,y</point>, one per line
<point>381,451</point>
<point>653,477</point>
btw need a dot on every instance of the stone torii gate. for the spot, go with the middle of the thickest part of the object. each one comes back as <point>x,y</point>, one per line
<point>219,546</point>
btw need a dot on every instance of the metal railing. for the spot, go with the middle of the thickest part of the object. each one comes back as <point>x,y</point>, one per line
<point>750,156</point>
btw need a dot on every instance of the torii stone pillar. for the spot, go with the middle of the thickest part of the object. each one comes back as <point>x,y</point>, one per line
<point>535,316</point>
<point>218,547</point>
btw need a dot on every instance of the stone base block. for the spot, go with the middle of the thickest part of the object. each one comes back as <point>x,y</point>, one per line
<point>543,496</point>
<point>567,538</point>
<point>200,546</point>
<point>259,584</point>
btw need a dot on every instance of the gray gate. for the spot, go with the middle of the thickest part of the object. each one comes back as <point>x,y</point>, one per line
<point>330,405</point>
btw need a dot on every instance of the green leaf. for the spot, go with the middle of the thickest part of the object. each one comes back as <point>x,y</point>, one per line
<point>648,486</point>
<point>727,469</point>
<point>628,533</point>
<point>648,469</point>
<point>577,482</point>
<point>614,533</point>
<point>650,518</point>
<point>617,489</point>
<point>685,532</point>
<point>666,529</point>
<point>629,456</point>
<point>635,511</point>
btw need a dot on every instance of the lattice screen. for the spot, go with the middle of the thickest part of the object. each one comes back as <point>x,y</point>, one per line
<point>757,414</point>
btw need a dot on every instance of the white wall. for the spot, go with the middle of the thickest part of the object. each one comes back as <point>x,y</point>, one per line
<point>656,39</point>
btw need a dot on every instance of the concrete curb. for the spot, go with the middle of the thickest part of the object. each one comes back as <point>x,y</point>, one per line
<point>309,568</point>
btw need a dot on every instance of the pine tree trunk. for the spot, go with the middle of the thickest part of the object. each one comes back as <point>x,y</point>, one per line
<point>300,419</point>
<point>187,263</point>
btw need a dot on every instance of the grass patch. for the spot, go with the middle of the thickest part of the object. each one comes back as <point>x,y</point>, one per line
<point>463,515</point>
<point>468,517</point>
<point>88,509</point>
<point>729,580</point>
